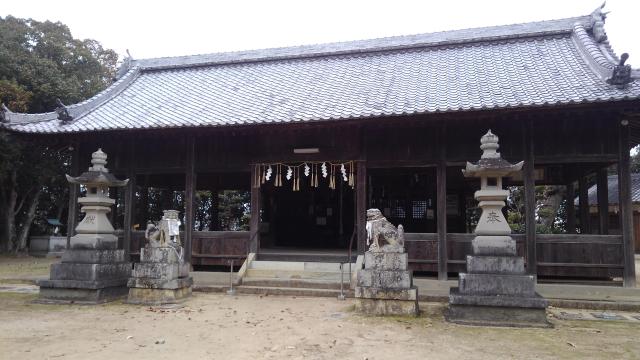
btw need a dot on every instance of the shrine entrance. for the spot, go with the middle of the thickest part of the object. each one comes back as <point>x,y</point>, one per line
<point>312,218</point>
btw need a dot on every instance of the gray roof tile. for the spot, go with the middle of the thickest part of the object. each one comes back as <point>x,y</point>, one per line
<point>535,64</point>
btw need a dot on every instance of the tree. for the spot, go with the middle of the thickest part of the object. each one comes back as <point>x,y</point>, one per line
<point>39,62</point>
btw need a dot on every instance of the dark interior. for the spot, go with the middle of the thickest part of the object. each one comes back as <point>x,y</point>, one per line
<point>311,218</point>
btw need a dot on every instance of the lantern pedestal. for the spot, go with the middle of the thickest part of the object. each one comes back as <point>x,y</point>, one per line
<point>495,290</point>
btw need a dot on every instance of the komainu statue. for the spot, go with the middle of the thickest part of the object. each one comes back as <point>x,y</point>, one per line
<point>166,234</point>
<point>382,236</point>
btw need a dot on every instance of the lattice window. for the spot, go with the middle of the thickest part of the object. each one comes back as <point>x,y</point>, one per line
<point>418,209</point>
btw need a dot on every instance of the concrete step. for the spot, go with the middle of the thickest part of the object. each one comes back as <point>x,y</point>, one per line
<point>299,265</point>
<point>288,291</point>
<point>295,283</point>
<point>294,274</point>
<point>306,257</point>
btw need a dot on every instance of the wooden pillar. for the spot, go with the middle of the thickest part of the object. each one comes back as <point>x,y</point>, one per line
<point>583,198</point>
<point>603,201</point>
<point>626,210</point>
<point>254,223</point>
<point>441,205</point>
<point>189,191</point>
<point>530,200</point>
<point>361,206</point>
<point>74,189</point>
<point>129,201</point>
<point>571,209</point>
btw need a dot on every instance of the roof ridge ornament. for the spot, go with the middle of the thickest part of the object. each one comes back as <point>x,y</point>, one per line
<point>597,20</point>
<point>127,62</point>
<point>621,74</point>
<point>63,112</point>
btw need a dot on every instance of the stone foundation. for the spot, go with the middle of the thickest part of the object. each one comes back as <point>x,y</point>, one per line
<point>161,277</point>
<point>86,276</point>
<point>385,286</point>
<point>387,307</point>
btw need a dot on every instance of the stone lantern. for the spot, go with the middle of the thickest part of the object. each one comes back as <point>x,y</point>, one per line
<point>495,289</point>
<point>93,269</point>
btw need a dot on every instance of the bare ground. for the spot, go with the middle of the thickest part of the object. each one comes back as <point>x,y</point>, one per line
<point>19,268</point>
<point>214,326</point>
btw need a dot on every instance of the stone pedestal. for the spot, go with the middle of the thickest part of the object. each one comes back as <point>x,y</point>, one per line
<point>161,277</point>
<point>496,291</point>
<point>385,286</point>
<point>87,276</point>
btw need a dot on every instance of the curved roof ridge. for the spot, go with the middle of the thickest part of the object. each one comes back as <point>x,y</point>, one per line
<point>79,109</point>
<point>441,38</point>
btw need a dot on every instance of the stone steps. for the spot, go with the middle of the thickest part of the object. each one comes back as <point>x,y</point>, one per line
<point>290,291</point>
<point>293,274</point>
<point>313,276</point>
<point>295,283</point>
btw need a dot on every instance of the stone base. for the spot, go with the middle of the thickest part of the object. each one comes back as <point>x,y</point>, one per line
<point>497,316</point>
<point>86,276</point>
<point>149,296</point>
<point>387,307</point>
<point>61,295</point>
<point>497,310</point>
<point>386,294</point>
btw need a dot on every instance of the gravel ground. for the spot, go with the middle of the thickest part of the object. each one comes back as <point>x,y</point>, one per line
<point>216,326</point>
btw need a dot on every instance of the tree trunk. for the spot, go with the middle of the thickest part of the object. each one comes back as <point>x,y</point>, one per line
<point>28,220</point>
<point>8,229</point>
<point>9,202</point>
<point>553,196</point>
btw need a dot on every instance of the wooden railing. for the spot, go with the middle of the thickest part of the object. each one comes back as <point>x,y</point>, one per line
<point>559,255</point>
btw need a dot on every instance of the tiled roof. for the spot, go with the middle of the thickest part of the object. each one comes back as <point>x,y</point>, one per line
<point>536,64</point>
<point>612,186</point>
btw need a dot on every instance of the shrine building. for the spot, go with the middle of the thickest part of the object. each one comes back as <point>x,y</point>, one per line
<point>279,152</point>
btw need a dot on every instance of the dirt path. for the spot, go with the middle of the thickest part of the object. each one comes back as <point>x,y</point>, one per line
<point>212,326</point>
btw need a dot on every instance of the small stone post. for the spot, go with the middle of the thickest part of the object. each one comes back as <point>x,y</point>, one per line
<point>495,289</point>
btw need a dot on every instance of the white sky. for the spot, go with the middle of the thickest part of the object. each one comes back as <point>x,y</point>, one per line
<point>184,27</point>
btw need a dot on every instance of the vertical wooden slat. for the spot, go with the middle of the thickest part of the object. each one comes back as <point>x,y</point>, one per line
<point>129,201</point>
<point>626,210</point>
<point>583,196</point>
<point>571,209</point>
<point>441,205</point>
<point>189,189</point>
<point>603,201</point>
<point>530,199</point>
<point>74,189</point>
<point>361,205</point>
<point>254,223</point>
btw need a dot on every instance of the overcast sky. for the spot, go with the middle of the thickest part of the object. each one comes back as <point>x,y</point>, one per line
<point>184,27</point>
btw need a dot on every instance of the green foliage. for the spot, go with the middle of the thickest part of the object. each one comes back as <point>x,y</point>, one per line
<point>39,62</point>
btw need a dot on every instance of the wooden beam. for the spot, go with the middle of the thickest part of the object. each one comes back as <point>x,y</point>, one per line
<point>129,201</point>
<point>189,190</point>
<point>583,196</point>
<point>530,199</point>
<point>254,223</point>
<point>603,201</point>
<point>361,206</point>
<point>626,210</point>
<point>441,205</point>
<point>571,209</point>
<point>74,189</point>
